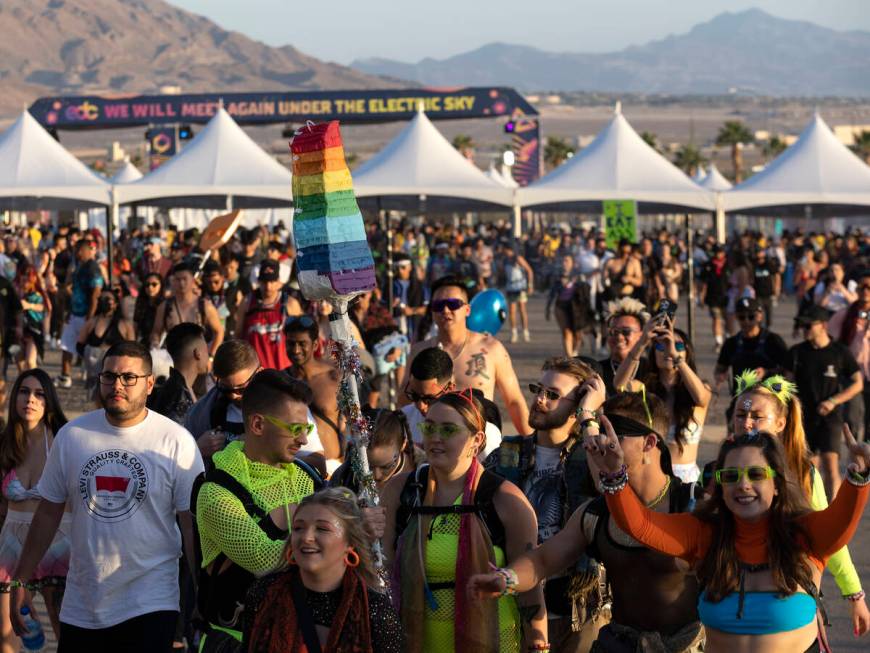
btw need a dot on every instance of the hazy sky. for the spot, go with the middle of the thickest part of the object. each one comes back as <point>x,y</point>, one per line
<point>408,30</point>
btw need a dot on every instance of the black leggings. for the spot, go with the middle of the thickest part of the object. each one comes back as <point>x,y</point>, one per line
<point>147,633</point>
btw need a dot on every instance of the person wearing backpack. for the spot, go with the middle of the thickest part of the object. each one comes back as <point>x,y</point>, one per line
<point>639,577</point>
<point>244,504</point>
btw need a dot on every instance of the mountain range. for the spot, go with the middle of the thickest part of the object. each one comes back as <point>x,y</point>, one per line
<point>749,52</point>
<point>54,47</point>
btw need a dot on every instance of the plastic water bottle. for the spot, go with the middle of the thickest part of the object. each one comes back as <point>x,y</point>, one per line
<point>34,638</point>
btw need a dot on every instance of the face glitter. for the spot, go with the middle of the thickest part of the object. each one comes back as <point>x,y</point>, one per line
<point>747,405</point>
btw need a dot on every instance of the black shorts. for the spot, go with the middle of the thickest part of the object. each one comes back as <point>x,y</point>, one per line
<point>824,434</point>
<point>147,633</point>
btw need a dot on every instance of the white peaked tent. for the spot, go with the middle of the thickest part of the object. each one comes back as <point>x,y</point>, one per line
<point>420,164</point>
<point>817,174</point>
<point>126,174</point>
<point>617,165</point>
<point>700,175</point>
<point>715,180</point>
<point>37,172</point>
<point>502,176</point>
<point>221,168</point>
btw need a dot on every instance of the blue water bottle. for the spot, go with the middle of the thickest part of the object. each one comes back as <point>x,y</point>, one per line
<point>34,638</point>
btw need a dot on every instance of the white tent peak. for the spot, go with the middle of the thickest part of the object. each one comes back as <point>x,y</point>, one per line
<point>699,176</point>
<point>421,106</point>
<point>617,108</point>
<point>421,161</point>
<point>126,174</point>
<point>816,169</point>
<point>221,160</point>
<point>617,164</point>
<point>33,164</point>
<point>715,180</point>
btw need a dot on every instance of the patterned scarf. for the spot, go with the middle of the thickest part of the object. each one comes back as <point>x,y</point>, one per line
<point>476,627</point>
<point>276,629</point>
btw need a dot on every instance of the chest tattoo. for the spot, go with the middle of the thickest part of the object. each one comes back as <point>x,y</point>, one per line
<point>476,366</point>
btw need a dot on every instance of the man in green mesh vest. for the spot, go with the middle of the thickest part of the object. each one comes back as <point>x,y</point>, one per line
<point>245,503</point>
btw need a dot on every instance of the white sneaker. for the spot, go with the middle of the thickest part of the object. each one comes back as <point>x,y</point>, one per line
<point>514,335</point>
<point>526,336</point>
<point>62,381</point>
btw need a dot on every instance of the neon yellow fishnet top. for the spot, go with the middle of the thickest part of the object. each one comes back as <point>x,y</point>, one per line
<point>440,565</point>
<point>224,524</point>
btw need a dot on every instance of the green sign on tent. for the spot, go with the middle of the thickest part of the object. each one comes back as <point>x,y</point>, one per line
<point>620,221</point>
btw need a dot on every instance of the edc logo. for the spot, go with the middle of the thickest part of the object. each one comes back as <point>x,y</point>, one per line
<point>84,111</point>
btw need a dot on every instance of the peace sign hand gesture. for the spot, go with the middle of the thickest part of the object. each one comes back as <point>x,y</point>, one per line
<point>606,448</point>
<point>859,452</point>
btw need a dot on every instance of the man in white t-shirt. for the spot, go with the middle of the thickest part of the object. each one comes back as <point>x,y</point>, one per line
<point>127,474</point>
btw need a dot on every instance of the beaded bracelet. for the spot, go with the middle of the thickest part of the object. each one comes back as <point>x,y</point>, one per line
<point>580,411</point>
<point>510,580</point>
<point>613,485</point>
<point>586,422</point>
<point>618,474</point>
<point>859,479</point>
<point>539,647</point>
<point>857,596</point>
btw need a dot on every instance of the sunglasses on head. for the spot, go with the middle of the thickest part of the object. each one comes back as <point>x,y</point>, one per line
<point>536,389</point>
<point>679,346</point>
<point>305,321</point>
<point>452,303</point>
<point>732,475</point>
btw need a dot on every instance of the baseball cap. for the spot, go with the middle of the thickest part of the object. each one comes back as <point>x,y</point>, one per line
<point>269,271</point>
<point>747,305</point>
<point>813,313</point>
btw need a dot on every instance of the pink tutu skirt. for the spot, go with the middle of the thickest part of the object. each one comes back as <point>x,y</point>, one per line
<point>53,567</point>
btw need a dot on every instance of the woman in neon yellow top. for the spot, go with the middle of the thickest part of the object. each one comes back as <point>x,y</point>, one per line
<point>452,519</point>
<point>772,405</point>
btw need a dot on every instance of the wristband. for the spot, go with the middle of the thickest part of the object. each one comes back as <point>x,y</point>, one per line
<point>856,478</point>
<point>539,647</point>
<point>580,411</point>
<point>854,598</point>
<point>618,474</point>
<point>586,422</point>
<point>510,580</point>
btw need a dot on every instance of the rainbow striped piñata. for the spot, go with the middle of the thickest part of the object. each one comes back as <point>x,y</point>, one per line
<point>334,258</point>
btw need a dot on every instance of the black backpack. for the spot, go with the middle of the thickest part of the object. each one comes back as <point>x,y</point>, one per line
<point>234,576</point>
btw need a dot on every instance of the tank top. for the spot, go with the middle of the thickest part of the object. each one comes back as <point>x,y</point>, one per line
<point>263,329</point>
<point>515,277</point>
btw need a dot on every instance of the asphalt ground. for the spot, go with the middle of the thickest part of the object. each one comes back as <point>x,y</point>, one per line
<point>545,342</point>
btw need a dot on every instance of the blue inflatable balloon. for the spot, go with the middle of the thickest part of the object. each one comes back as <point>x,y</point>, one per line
<point>488,312</point>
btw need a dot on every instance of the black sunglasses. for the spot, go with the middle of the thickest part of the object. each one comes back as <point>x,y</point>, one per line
<point>236,389</point>
<point>536,389</point>
<point>452,303</point>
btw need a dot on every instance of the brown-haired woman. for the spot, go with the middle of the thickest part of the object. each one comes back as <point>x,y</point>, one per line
<point>36,312</point>
<point>772,405</point>
<point>671,374</point>
<point>758,549</point>
<point>35,416</point>
<point>324,596</point>
<point>452,519</point>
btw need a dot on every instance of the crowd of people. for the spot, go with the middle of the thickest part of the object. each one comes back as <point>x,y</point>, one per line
<point>210,496</point>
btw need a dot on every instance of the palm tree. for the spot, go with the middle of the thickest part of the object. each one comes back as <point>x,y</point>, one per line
<point>773,148</point>
<point>465,144</point>
<point>735,134</point>
<point>652,140</point>
<point>689,158</point>
<point>556,151</point>
<point>861,146</point>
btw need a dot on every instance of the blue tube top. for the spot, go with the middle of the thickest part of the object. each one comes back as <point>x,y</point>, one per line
<point>764,613</point>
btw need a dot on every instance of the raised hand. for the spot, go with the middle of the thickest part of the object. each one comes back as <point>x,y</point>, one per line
<point>606,448</point>
<point>592,394</point>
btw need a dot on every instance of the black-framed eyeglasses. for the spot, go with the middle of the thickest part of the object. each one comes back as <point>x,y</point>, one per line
<point>452,303</point>
<point>536,389</point>
<point>128,379</point>
<point>235,389</point>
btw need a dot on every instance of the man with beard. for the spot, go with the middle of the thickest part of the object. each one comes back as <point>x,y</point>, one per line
<point>550,468</point>
<point>625,322</point>
<point>127,472</point>
<point>654,596</point>
<point>480,361</point>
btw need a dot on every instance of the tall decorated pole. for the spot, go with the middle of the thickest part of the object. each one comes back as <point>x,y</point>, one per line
<point>335,263</point>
